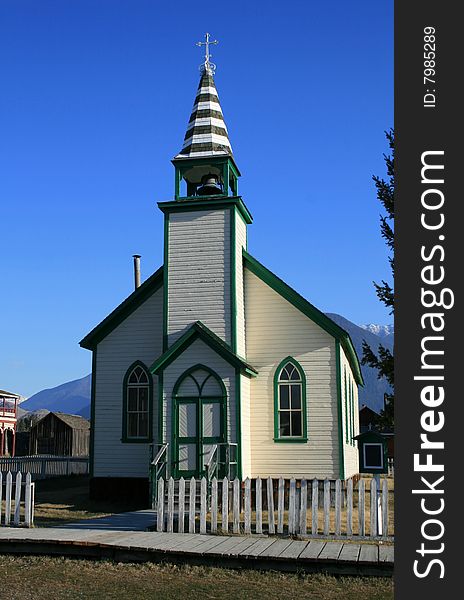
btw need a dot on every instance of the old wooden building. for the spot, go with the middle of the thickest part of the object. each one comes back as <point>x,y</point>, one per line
<point>60,434</point>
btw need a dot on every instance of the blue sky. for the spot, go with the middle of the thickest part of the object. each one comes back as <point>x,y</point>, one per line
<point>95,100</point>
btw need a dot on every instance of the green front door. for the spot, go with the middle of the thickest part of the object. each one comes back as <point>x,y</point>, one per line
<point>198,422</point>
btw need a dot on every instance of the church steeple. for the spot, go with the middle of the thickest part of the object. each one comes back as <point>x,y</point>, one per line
<point>205,163</point>
<point>206,130</point>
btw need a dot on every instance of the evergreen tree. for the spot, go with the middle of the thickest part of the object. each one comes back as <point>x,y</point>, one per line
<point>383,359</point>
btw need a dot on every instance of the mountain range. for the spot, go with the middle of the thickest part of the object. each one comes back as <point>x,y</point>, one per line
<point>74,396</point>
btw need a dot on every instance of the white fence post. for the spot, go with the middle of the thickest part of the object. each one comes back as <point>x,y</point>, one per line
<point>9,485</point>
<point>292,507</point>
<point>280,506</point>
<point>214,505</point>
<point>259,505</point>
<point>27,501</point>
<point>361,509</point>
<point>192,500</point>
<point>338,507</point>
<point>303,506</point>
<point>181,506</point>
<point>247,505</point>
<point>315,507</point>
<point>270,505</point>
<point>17,508</point>
<point>203,487</point>
<point>225,506</point>
<point>160,507</point>
<point>384,507</point>
<point>349,508</point>
<point>326,507</point>
<point>170,511</point>
<point>236,507</point>
<point>374,507</point>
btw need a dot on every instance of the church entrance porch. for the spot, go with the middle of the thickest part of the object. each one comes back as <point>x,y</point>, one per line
<point>198,427</point>
<point>199,413</point>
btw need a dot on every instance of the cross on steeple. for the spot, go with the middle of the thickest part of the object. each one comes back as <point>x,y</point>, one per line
<point>207,66</point>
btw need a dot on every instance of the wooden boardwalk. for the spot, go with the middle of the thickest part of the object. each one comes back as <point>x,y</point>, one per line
<point>255,552</point>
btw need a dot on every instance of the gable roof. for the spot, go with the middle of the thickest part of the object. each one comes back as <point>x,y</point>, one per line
<point>199,331</point>
<point>74,421</point>
<point>308,309</point>
<point>126,308</point>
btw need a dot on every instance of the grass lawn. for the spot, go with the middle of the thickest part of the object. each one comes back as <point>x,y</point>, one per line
<point>38,578</point>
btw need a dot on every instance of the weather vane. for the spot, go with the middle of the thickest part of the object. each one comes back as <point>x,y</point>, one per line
<point>207,66</point>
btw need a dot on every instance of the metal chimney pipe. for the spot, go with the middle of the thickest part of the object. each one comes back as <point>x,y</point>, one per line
<point>137,270</point>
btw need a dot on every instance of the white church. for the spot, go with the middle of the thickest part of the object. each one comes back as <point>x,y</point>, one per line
<point>214,353</point>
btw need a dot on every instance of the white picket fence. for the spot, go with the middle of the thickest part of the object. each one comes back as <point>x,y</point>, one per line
<point>303,507</point>
<point>43,467</point>
<point>16,500</point>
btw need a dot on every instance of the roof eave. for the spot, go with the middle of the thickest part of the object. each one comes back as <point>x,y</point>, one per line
<point>299,302</point>
<point>123,310</point>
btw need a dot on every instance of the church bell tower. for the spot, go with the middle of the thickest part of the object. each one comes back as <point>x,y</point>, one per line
<point>205,226</point>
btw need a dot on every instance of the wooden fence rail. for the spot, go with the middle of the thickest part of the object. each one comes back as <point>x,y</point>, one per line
<point>299,507</point>
<point>12,508</point>
<point>44,467</point>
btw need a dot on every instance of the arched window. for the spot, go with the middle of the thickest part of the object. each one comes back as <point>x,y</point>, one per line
<point>137,404</point>
<point>290,402</point>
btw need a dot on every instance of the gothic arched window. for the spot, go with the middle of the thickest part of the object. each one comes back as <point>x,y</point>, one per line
<point>290,402</point>
<point>137,404</point>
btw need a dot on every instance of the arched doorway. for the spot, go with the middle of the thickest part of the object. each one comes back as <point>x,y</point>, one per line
<point>199,419</point>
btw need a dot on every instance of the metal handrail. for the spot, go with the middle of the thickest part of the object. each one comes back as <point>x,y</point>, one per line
<point>157,465</point>
<point>212,464</point>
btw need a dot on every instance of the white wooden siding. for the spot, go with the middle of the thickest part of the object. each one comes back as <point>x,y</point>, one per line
<point>199,353</point>
<point>240,242</point>
<point>245,424</point>
<point>139,337</point>
<point>274,330</point>
<point>199,272</point>
<point>350,450</point>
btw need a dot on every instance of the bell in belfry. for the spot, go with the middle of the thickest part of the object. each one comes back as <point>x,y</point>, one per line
<point>209,185</point>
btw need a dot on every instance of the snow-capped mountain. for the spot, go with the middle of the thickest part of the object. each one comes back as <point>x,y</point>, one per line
<point>383,331</point>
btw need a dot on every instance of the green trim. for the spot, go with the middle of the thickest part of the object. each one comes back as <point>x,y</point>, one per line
<point>346,409</point>
<point>126,308</point>
<point>198,400</point>
<point>338,378</point>
<point>184,163</point>
<point>125,439</point>
<point>352,414</point>
<point>166,284</point>
<point>160,408</point>
<point>199,330</point>
<point>233,281</point>
<point>307,309</point>
<point>92,413</point>
<point>304,437</point>
<point>194,203</point>
<point>238,409</point>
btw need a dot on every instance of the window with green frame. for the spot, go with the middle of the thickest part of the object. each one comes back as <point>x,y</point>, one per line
<point>137,411</point>
<point>290,423</point>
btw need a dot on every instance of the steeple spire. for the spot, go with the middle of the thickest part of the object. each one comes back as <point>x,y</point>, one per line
<point>206,130</point>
